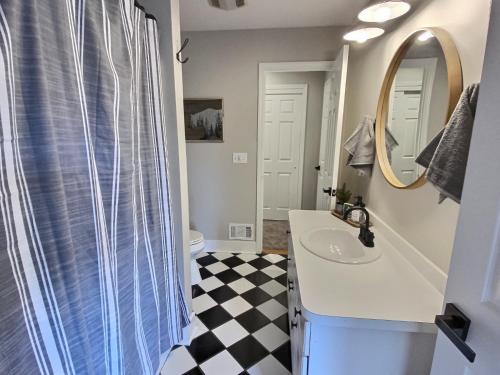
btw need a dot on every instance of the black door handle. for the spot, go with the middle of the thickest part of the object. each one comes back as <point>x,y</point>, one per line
<point>455,325</point>
<point>329,191</point>
<point>318,167</point>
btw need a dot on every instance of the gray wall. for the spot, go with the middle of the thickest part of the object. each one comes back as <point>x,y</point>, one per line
<point>166,13</point>
<point>315,83</point>
<point>225,64</point>
<point>414,214</point>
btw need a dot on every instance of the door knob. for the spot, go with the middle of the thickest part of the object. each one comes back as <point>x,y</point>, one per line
<point>318,167</point>
<point>455,325</point>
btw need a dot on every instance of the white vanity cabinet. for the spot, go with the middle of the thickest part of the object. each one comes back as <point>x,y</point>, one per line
<point>300,328</point>
<point>357,319</point>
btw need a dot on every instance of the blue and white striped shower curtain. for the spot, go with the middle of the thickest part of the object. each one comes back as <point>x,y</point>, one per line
<point>88,276</point>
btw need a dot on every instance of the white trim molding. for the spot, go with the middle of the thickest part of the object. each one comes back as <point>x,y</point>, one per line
<point>299,66</point>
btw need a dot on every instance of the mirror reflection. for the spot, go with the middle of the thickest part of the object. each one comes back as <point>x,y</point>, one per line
<point>417,106</point>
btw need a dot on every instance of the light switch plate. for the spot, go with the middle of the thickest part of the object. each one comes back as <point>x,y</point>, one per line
<point>240,157</point>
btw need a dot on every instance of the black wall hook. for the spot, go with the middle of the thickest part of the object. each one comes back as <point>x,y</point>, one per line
<point>178,54</point>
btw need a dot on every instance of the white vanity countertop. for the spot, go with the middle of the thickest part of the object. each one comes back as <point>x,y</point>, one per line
<point>387,294</point>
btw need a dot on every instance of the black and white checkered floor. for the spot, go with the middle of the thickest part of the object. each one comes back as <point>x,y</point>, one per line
<point>241,305</point>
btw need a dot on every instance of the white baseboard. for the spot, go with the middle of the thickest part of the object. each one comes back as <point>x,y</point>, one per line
<point>427,269</point>
<point>231,246</point>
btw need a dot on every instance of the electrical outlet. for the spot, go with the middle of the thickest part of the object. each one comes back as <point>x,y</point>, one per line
<point>240,157</point>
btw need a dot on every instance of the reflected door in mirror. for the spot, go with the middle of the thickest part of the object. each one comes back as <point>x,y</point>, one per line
<point>409,115</point>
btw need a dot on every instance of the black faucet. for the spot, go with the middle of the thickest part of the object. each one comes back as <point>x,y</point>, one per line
<point>365,235</point>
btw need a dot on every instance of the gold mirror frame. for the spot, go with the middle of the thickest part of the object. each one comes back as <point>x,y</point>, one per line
<point>455,87</point>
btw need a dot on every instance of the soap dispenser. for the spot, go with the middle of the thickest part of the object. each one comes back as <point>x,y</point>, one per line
<point>360,215</point>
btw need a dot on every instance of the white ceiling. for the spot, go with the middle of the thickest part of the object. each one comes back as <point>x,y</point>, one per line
<point>197,15</point>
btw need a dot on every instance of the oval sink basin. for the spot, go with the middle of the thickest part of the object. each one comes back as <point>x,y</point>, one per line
<point>338,245</point>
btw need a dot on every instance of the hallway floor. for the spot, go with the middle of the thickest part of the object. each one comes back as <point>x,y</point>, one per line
<point>275,235</point>
<point>242,313</point>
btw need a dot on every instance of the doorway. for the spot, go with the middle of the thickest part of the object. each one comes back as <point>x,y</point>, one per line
<point>283,151</point>
<point>299,135</point>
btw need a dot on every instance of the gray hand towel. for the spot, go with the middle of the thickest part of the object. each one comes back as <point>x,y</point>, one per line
<point>361,147</point>
<point>445,157</point>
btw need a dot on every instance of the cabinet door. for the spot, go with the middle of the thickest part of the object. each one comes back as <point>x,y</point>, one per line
<point>300,336</point>
<point>299,327</point>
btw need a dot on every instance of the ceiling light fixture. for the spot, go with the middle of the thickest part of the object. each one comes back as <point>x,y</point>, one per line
<point>226,4</point>
<point>384,11</point>
<point>362,35</point>
<point>425,36</point>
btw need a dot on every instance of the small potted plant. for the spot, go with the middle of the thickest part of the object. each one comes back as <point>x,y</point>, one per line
<point>343,196</point>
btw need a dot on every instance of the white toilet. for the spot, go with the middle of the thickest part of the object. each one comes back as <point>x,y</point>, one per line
<point>196,246</point>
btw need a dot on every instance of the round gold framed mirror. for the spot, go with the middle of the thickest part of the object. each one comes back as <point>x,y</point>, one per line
<point>419,93</point>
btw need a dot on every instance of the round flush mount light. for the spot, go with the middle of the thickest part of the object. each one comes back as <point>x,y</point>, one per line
<point>362,35</point>
<point>384,11</point>
<point>425,36</point>
<point>226,4</point>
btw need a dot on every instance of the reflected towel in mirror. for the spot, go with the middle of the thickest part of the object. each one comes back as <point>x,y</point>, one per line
<point>446,155</point>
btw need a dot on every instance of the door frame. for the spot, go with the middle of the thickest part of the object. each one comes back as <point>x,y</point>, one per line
<point>294,89</point>
<point>264,68</point>
<point>324,129</point>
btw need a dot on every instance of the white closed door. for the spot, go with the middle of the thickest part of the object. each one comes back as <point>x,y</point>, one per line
<point>474,276</point>
<point>331,130</point>
<point>405,122</point>
<point>284,128</point>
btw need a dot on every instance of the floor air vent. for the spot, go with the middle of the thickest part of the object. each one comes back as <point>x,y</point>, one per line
<point>241,232</point>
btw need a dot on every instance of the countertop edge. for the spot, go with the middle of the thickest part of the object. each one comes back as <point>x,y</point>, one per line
<point>364,323</point>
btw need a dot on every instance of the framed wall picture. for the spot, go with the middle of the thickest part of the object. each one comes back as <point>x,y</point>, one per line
<point>204,120</point>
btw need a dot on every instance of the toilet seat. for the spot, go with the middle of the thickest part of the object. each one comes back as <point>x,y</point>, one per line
<point>196,246</point>
<point>196,241</point>
<point>195,237</point>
